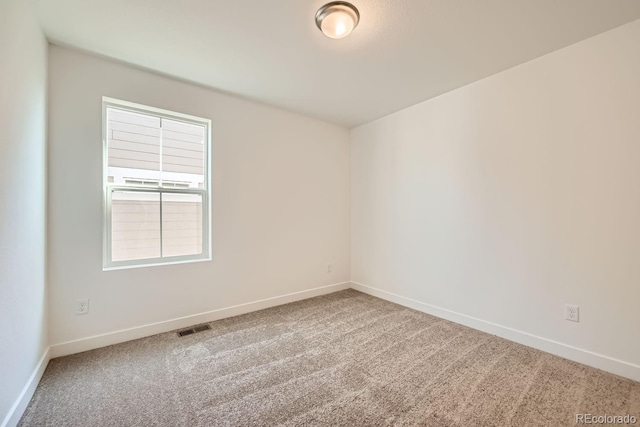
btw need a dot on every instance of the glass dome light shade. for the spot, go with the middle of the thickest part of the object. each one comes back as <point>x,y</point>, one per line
<point>337,19</point>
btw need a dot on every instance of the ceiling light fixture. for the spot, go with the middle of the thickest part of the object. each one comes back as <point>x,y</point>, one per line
<point>337,19</point>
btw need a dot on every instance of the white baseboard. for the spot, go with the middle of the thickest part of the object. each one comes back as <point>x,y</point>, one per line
<point>16,411</point>
<point>103,340</point>
<point>586,357</point>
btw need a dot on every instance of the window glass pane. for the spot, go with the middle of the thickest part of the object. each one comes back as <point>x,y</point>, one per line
<point>154,161</point>
<point>135,225</point>
<point>182,154</point>
<point>133,146</point>
<point>181,224</point>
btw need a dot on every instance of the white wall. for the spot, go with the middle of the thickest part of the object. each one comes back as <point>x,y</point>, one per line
<point>23,74</point>
<point>280,203</point>
<point>508,198</point>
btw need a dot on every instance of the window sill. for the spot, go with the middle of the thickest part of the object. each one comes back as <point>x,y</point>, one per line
<point>154,264</point>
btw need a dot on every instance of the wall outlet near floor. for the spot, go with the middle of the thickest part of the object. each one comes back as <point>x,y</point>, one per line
<point>328,268</point>
<point>82,306</point>
<point>572,312</point>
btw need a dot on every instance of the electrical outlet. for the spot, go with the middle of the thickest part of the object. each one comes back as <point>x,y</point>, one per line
<point>328,268</point>
<point>572,312</point>
<point>82,306</point>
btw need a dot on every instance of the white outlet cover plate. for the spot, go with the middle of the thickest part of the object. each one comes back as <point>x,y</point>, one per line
<point>572,312</point>
<point>82,306</point>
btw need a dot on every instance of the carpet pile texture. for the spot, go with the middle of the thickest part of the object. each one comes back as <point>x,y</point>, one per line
<point>340,359</point>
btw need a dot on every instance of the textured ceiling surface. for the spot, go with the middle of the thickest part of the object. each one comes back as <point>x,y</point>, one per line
<point>401,53</point>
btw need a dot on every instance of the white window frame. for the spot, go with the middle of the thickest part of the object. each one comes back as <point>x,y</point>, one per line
<point>109,188</point>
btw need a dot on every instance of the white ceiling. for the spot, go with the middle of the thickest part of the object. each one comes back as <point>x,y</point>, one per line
<point>402,52</point>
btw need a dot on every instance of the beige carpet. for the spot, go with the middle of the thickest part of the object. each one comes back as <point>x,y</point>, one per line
<point>340,359</point>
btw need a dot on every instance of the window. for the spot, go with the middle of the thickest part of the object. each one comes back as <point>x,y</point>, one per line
<point>156,183</point>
